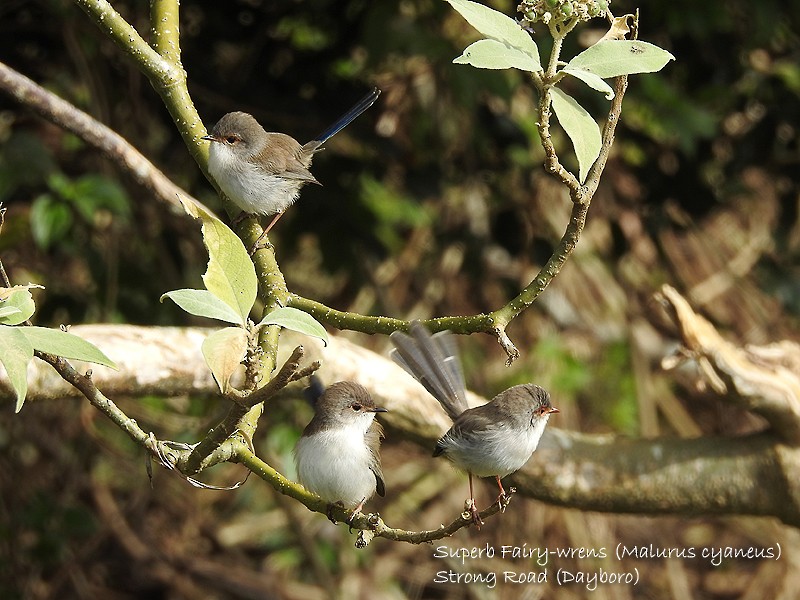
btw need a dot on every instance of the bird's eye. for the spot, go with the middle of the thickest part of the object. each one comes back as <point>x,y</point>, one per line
<point>356,406</point>
<point>231,139</point>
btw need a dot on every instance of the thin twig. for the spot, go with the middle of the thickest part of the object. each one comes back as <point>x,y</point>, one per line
<point>251,404</point>
<point>282,378</point>
<point>371,525</point>
<point>86,386</point>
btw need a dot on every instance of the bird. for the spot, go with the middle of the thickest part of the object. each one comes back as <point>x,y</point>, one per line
<point>262,172</point>
<point>337,457</point>
<point>492,440</point>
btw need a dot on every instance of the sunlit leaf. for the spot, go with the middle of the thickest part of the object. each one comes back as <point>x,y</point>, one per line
<point>61,343</point>
<point>581,129</point>
<point>493,54</point>
<point>611,58</point>
<point>15,354</point>
<point>224,351</point>
<point>6,292</point>
<point>592,80</point>
<point>8,311</point>
<point>203,303</point>
<point>497,26</point>
<point>21,300</point>
<point>230,275</point>
<point>296,320</point>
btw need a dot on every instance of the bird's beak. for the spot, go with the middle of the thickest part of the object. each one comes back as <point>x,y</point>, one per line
<point>552,410</point>
<point>378,409</point>
<point>209,138</point>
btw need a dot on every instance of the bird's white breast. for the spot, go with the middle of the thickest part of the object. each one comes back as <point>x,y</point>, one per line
<point>335,464</point>
<point>501,450</point>
<point>248,186</point>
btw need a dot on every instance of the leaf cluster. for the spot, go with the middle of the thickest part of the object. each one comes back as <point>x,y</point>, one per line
<point>19,340</point>
<point>230,295</point>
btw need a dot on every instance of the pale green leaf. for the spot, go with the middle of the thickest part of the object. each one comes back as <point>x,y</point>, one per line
<point>203,303</point>
<point>21,300</point>
<point>581,129</point>
<point>296,320</point>
<point>61,343</point>
<point>493,54</point>
<point>230,275</point>
<point>224,351</point>
<point>592,80</point>
<point>497,26</point>
<point>15,354</point>
<point>7,311</point>
<point>6,292</point>
<point>612,58</point>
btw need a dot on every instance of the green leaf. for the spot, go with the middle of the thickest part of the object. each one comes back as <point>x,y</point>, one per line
<point>296,320</point>
<point>612,58</point>
<point>230,275</point>
<point>7,311</point>
<point>203,303</point>
<point>581,129</point>
<point>224,351</point>
<point>15,354</point>
<point>50,220</point>
<point>493,54</point>
<point>592,80</point>
<point>497,26</point>
<point>21,300</point>
<point>61,343</point>
<point>94,192</point>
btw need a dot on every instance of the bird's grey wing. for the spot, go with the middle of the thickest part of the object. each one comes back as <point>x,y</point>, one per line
<point>288,159</point>
<point>299,173</point>
<point>373,439</point>
<point>432,360</point>
<point>380,486</point>
<point>473,424</point>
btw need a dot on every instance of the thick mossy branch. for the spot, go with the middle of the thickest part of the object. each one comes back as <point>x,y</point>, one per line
<point>164,71</point>
<point>124,35</point>
<point>165,29</point>
<point>746,475</point>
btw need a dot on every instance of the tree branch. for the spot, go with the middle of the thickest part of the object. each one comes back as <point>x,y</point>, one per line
<point>86,386</point>
<point>165,29</point>
<point>94,133</point>
<point>243,415</point>
<point>756,474</point>
<point>370,524</point>
<point>753,475</point>
<point>763,379</point>
<point>164,71</point>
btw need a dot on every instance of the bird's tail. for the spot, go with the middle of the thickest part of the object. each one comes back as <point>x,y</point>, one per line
<point>433,361</point>
<point>349,116</point>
